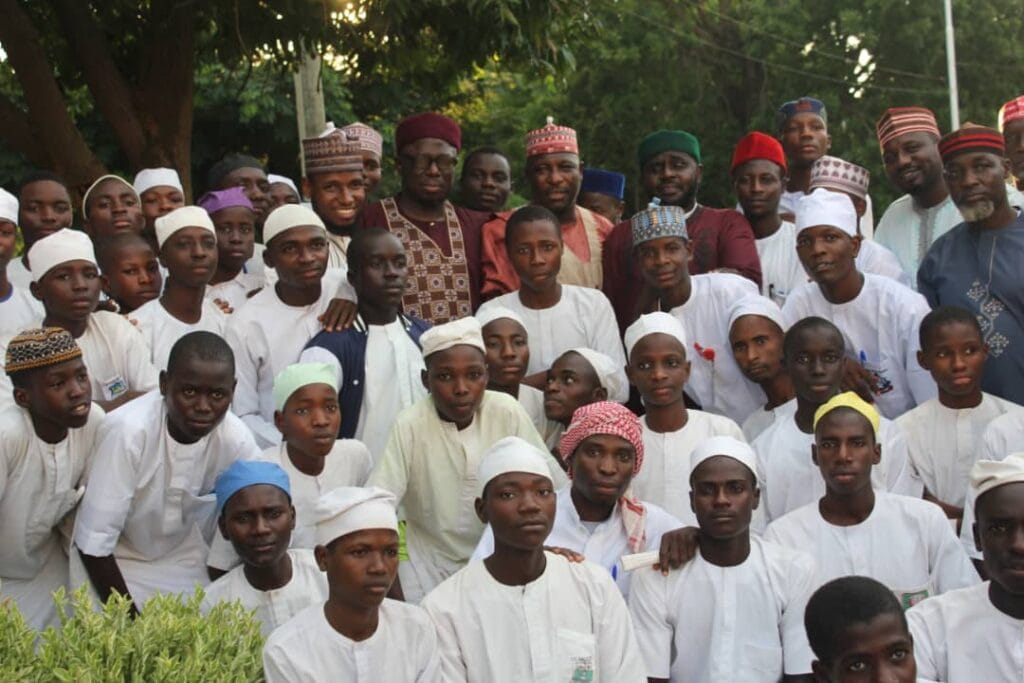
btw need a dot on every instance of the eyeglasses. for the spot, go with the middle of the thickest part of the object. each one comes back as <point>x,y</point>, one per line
<point>421,163</point>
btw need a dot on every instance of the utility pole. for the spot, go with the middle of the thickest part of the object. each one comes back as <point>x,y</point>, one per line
<point>309,98</point>
<point>954,98</point>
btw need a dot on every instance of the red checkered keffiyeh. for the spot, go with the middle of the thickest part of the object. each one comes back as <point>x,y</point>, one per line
<point>607,417</point>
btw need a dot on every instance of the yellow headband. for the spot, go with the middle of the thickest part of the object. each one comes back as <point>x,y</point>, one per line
<point>851,400</point>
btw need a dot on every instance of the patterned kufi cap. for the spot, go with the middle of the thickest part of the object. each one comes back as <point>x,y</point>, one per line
<point>39,348</point>
<point>833,173</point>
<point>551,139</point>
<point>658,221</point>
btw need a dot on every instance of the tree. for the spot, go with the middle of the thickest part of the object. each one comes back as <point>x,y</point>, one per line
<point>137,61</point>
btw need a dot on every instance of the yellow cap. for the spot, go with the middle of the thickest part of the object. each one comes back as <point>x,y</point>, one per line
<point>849,399</point>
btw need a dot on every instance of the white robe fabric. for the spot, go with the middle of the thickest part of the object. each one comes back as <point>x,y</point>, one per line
<point>905,543</point>
<point>876,259</point>
<point>583,317</point>
<point>569,624</point>
<point>880,327</point>
<point>20,311</point>
<point>117,357</point>
<point>267,336</point>
<point>717,385</point>
<point>432,468</point>
<point>943,443</point>
<point>908,231</point>
<point>348,464</point>
<point>789,478</point>
<point>781,270</point>
<point>710,624</point>
<point>40,484</point>
<point>761,419</point>
<point>664,477</point>
<point>603,545</point>
<point>1003,436</point>
<point>403,649</point>
<point>392,381</point>
<point>161,330</point>
<point>961,636</point>
<point>532,401</point>
<point>149,500</point>
<point>308,586</point>
<point>18,275</point>
<point>235,292</point>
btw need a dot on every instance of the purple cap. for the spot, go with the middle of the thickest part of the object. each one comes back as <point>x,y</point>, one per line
<point>211,202</point>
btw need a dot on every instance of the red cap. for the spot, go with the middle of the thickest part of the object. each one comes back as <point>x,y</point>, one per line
<point>971,137</point>
<point>428,125</point>
<point>757,145</point>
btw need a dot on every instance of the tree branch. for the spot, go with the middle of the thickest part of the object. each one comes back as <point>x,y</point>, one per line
<point>17,132</point>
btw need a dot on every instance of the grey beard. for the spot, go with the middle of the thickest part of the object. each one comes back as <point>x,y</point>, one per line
<point>978,211</point>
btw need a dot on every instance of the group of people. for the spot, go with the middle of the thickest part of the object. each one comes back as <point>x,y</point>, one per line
<point>426,441</point>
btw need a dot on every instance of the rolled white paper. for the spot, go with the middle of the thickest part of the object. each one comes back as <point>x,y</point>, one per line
<point>638,560</point>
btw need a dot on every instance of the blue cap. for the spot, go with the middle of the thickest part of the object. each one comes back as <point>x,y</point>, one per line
<point>803,105</point>
<point>244,473</point>
<point>603,182</point>
<point>658,221</point>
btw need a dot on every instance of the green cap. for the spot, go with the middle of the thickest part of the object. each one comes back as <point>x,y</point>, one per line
<point>666,141</point>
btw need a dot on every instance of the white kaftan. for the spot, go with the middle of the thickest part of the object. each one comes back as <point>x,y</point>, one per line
<point>603,545</point>
<point>432,467</point>
<point>18,275</point>
<point>880,327</point>
<point>116,356</point>
<point>403,649</point>
<point>709,624</point>
<point>569,624</point>
<point>161,330</point>
<point>876,259</point>
<point>789,478</point>
<point>308,586</point>
<point>583,317</point>
<point>149,500</point>
<point>532,401</point>
<point>781,270</point>
<point>40,483</point>
<point>716,383</point>
<point>905,543</point>
<point>20,311</point>
<point>943,443</point>
<point>908,231</point>
<point>235,292</point>
<point>761,419</point>
<point>960,636</point>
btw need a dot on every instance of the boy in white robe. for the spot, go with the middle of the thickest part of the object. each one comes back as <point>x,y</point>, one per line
<point>557,317</point>
<point>858,632</point>
<point>234,219</point>
<point>943,433</point>
<point>357,635</point>
<point>814,356</point>
<point>130,274</point>
<point>46,442</point>
<point>578,377</point>
<point>187,247</point>
<point>977,633</point>
<point>508,357</point>
<point>906,543</point>
<point>434,452</point>
<point>735,613</point>
<point>19,310</point>
<point>149,511</point>
<point>757,331</point>
<point>596,516</point>
<point>270,331</point>
<point>374,386</point>
<point>523,613</point>
<point>255,514</point>
<point>701,303</point>
<point>659,368</point>
<point>879,317</point>
<point>66,279</point>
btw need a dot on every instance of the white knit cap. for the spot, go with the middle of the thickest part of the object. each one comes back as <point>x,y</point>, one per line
<point>727,446</point>
<point>488,314</point>
<point>348,509</point>
<point>274,178</point>
<point>148,178</point>
<point>512,454</point>
<point>653,323</point>
<point>288,216</point>
<point>989,474</point>
<point>462,331</point>
<point>57,248</point>
<point>755,304</point>
<point>8,206</point>
<point>180,218</point>
<point>611,376</point>
<point>824,207</point>
<point>109,176</point>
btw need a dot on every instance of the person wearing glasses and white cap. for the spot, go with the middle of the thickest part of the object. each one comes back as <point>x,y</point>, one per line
<point>525,614</point>
<point>358,634</point>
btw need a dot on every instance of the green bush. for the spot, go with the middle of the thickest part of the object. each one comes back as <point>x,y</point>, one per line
<point>171,641</point>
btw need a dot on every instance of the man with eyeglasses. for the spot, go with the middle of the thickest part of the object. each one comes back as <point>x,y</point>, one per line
<point>441,240</point>
<point>976,265</point>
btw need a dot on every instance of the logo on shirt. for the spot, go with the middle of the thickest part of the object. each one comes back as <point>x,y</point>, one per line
<point>583,668</point>
<point>115,388</point>
<point>910,599</point>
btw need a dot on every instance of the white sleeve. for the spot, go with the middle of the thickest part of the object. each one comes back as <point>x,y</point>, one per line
<point>249,357</point>
<point>605,335</point>
<point>900,475</point>
<point>617,649</point>
<point>452,665</point>
<point>109,491</point>
<point>392,470</point>
<point>142,374</point>
<point>796,651</point>
<point>950,566</point>
<point>346,291</point>
<point>648,607</point>
<point>277,667</point>
<point>928,650</point>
